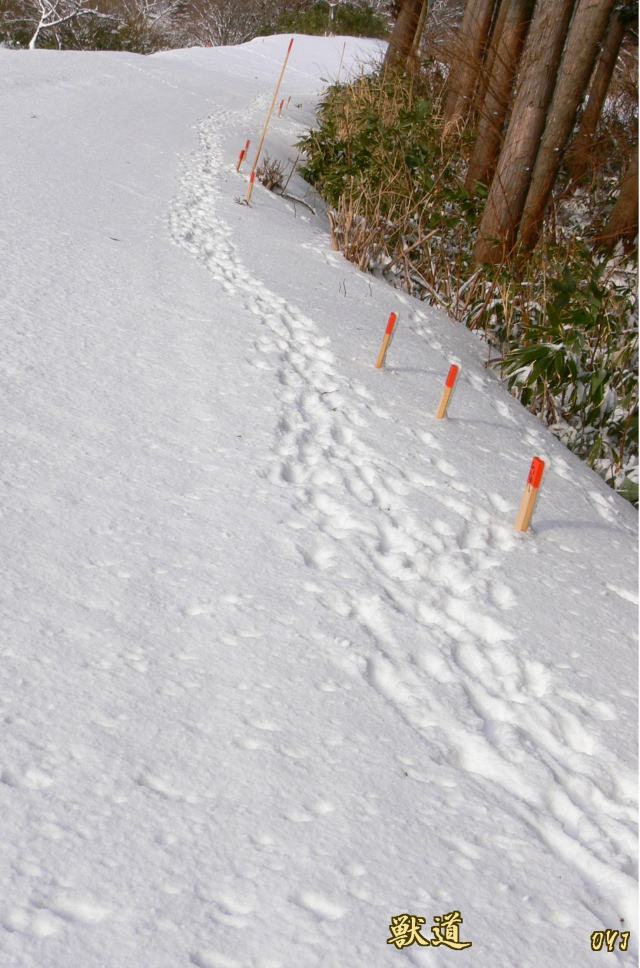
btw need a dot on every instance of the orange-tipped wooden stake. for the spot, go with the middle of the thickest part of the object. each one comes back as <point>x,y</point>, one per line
<point>386,340</point>
<point>266,124</point>
<point>449,384</point>
<point>280,108</point>
<point>530,495</point>
<point>243,154</point>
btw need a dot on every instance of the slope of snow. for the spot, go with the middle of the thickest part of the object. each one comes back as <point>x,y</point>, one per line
<point>275,666</point>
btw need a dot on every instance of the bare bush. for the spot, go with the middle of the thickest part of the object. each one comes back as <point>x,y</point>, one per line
<point>214,23</point>
<point>270,173</point>
<point>28,22</point>
<point>139,25</point>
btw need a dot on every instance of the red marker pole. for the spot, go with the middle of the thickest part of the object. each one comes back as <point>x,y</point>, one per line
<point>530,495</point>
<point>280,108</point>
<point>243,154</point>
<point>266,124</point>
<point>449,384</point>
<point>386,340</point>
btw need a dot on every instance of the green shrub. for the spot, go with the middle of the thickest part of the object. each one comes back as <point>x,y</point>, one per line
<point>575,364</point>
<point>561,323</point>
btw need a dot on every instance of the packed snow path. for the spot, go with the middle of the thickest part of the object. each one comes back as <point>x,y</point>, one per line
<point>276,666</point>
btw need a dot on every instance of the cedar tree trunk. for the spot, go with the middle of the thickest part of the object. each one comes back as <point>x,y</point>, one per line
<point>403,35</point>
<point>585,34</point>
<point>467,60</point>
<point>534,90</point>
<point>622,224</point>
<point>580,152</point>
<point>506,48</point>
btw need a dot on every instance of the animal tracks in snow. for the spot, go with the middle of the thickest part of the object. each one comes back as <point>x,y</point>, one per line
<point>321,907</point>
<point>376,562</point>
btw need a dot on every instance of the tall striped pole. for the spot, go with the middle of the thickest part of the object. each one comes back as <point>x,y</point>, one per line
<point>344,47</point>
<point>266,124</point>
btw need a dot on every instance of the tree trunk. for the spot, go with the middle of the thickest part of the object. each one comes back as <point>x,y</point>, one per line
<point>580,152</point>
<point>534,90</point>
<point>514,20</point>
<point>622,224</point>
<point>490,58</point>
<point>424,13</point>
<point>585,34</point>
<point>467,58</point>
<point>403,34</point>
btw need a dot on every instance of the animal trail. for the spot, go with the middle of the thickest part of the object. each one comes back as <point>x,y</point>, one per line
<point>433,579</point>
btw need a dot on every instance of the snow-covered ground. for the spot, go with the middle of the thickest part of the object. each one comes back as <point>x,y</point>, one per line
<point>275,666</point>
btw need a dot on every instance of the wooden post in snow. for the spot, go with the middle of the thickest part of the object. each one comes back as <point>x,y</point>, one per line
<point>344,47</point>
<point>266,124</point>
<point>449,384</point>
<point>243,154</point>
<point>530,495</point>
<point>386,340</point>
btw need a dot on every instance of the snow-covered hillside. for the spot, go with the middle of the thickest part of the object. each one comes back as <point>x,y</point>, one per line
<point>276,667</point>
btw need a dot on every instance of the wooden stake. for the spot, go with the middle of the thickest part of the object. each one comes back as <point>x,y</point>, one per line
<point>530,495</point>
<point>243,154</point>
<point>288,100</point>
<point>266,124</point>
<point>449,384</point>
<point>386,341</point>
<point>280,108</point>
<point>341,59</point>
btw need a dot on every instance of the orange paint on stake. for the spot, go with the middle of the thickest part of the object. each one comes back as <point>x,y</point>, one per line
<point>449,384</point>
<point>243,154</point>
<point>386,340</point>
<point>530,495</point>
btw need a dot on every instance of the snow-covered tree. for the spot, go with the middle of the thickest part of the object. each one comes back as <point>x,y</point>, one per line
<point>34,19</point>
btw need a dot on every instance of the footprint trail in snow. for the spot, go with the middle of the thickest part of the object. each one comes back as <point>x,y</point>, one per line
<point>429,594</point>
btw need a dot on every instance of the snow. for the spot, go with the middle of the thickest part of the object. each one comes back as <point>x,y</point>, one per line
<point>275,666</point>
